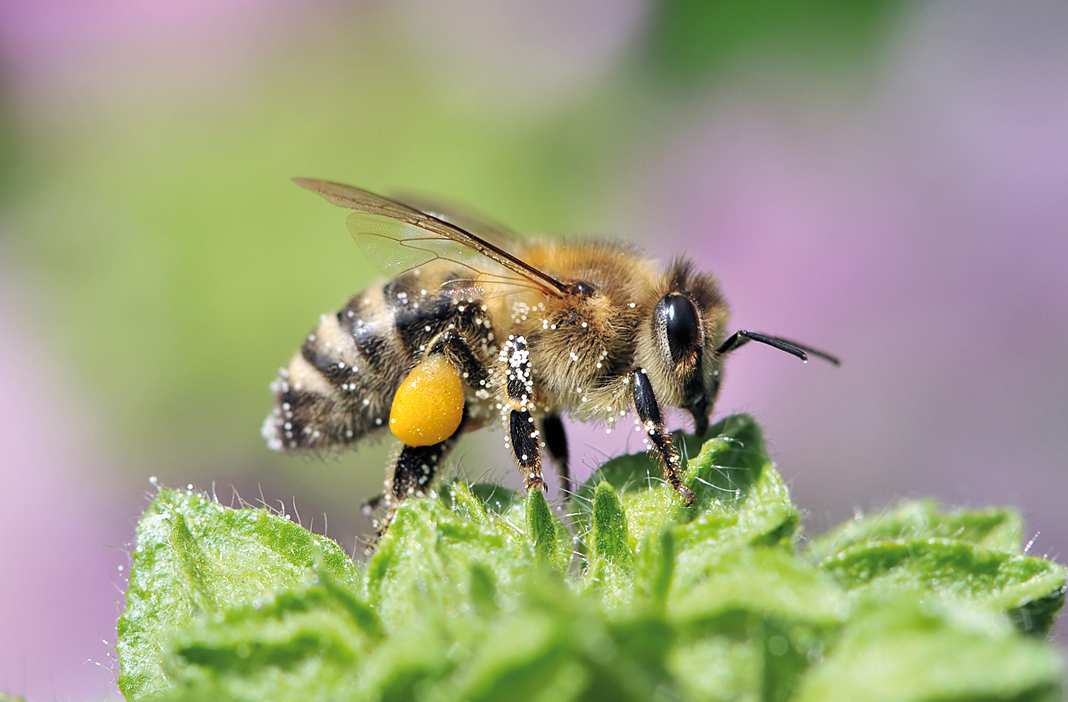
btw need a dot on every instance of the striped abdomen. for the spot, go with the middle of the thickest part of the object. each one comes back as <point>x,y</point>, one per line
<point>340,385</point>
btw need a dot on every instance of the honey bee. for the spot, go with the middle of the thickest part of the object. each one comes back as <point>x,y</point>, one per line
<point>490,329</point>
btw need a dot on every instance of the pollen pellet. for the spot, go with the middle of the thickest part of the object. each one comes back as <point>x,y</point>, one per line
<point>429,403</point>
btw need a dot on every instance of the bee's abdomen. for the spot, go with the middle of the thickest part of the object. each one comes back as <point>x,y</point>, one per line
<point>339,386</point>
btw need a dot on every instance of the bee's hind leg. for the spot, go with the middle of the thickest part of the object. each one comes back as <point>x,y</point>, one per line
<point>653,425</point>
<point>411,475</point>
<point>415,467</point>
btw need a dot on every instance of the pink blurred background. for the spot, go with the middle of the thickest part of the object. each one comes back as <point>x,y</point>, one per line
<point>887,182</point>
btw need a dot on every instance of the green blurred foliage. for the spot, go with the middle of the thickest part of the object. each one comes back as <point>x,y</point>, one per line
<point>477,595</point>
<point>691,41</point>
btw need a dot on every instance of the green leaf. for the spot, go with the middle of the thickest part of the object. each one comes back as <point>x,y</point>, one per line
<point>611,559</point>
<point>424,560</point>
<point>901,650</point>
<point>957,571</point>
<point>655,566</point>
<point>739,496</point>
<point>763,611</point>
<point>473,595</point>
<point>766,583</point>
<point>741,500</point>
<point>195,557</point>
<point>309,636</point>
<point>548,537</point>
<point>994,527</point>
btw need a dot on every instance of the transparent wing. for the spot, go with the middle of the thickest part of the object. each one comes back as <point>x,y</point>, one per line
<point>464,217</point>
<point>431,229</point>
<point>395,248</point>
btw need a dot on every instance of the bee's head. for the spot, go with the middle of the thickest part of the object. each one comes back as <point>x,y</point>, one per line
<point>677,351</point>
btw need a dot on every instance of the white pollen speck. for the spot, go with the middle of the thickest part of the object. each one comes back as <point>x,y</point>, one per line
<point>632,305</point>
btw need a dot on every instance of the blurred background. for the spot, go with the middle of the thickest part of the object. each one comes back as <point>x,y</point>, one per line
<point>883,179</point>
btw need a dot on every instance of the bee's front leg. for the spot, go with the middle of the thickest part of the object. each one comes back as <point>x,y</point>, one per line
<point>653,425</point>
<point>523,434</point>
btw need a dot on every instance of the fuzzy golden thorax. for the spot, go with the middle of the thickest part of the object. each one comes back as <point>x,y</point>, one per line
<point>583,347</point>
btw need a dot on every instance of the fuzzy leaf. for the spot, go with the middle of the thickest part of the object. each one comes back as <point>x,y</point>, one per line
<point>740,498</point>
<point>423,562</point>
<point>549,538</point>
<point>954,570</point>
<point>195,557</point>
<point>762,610</point>
<point>900,650</point>
<point>611,560</point>
<point>994,528</point>
<point>310,636</point>
<point>473,595</point>
<point>764,582</point>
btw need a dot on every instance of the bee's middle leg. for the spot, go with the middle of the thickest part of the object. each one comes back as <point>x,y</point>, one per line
<point>523,434</point>
<point>552,428</point>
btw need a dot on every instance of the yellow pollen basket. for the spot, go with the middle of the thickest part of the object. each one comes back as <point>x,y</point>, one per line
<point>429,403</point>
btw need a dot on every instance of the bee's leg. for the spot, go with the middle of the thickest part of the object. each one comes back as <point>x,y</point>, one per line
<point>456,350</point>
<point>415,466</point>
<point>411,474</point>
<point>372,503</point>
<point>556,443</point>
<point>414,469</point>
<point>523,435</point>
<point>653,425</point>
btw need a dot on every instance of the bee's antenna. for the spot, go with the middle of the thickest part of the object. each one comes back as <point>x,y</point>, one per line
<point>744,336</point>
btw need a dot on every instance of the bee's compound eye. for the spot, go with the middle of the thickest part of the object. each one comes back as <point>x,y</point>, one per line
<point>682,325</point>
<point>429,403</point>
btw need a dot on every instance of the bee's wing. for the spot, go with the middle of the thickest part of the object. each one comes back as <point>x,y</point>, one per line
<point>396,248</point>
<point>432,232</point>
<point>463,217</point>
